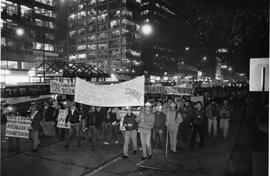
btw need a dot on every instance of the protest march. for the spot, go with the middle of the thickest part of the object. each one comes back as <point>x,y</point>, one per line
<point>147,116</point>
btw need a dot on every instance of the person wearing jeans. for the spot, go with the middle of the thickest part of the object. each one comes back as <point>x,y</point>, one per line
<point>212,113</point>
<point>73,117</point>
<point>130,132</point>
<point>146,120</point>
<point>173,119</point>
<point>225,115</point>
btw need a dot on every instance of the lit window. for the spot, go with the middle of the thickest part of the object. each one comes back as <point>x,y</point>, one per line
<point>72,17</point>
<point>139,1</point>
<point>81,47</point>
<point>4,64</point>
<point>3,41</point>
<point>92,47</point>
<point>92,38</point>
<point>38,46</point>
<point>81,56</point>
<point>12,64</point>
<point>72,57</point>
<point>48,47</point>
<point>72,33</point>
<point>102,46</point>
<point>26,65</point>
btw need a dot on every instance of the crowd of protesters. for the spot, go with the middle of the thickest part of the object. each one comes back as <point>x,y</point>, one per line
<point>157,127</point>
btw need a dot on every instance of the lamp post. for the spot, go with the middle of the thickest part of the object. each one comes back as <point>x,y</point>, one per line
<point>146,30</point>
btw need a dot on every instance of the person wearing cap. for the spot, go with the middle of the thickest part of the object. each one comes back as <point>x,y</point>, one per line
<point>146,120</point>
<point>173,119</point>
<point>159,127</point>
<point>74,118</point>
<point>212,114</point>
<point>198,121</point>
<point>130,132</point>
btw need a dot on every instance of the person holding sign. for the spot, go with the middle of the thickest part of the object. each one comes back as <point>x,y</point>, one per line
<point>173,119</point>
<point>130,133</point>
<point>73,117</point>
<point>146,120</point>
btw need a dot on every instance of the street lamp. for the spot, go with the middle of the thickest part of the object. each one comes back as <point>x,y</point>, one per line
<point>204,58</point>
<point>230,69</point>
<point>147,29</point>
<point>19,31</point>
<point>187,48</point>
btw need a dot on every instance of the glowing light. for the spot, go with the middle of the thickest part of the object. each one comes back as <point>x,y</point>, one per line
<point>133,71</point>
<point>165,73</point>
<point>204,58</point>
<point>230,69</point>
<point>187,48</point>
<point>113,77</point>
<point>146,29</point>
<point>19,31</point>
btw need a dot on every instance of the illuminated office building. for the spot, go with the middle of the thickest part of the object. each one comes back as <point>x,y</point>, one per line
<point>105,34</point>
<point>28,36</point>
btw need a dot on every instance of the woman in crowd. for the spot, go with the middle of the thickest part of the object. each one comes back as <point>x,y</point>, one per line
<point>146,121</point>
<point>130,132</point>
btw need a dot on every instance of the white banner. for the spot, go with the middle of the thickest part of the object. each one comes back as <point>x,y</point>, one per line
<point>18,126</point>
<point>129,93</point>
<point>62,119</point>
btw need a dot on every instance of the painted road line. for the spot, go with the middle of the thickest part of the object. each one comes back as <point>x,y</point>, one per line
<point>152,168</point>
<point>103,166</point>
<point>139,163</point>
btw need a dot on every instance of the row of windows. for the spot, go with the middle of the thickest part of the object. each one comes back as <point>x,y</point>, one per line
<point>103,16</point>
<point>7,64</point>
<point>37,45</point>
<point>26,12</point>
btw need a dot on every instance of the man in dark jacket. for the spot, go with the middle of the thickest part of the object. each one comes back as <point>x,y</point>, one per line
<point>48,123</point>
<point>198,120</point>
<point>130,133</point>
<point>185,128</point>
<point>91,125</point>
<point>159,126</point>
<point>73,117</point>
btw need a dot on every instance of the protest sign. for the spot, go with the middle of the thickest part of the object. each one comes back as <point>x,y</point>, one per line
<point>197,98</point>
<point>129,93</point>
<point>62,119</point>
<point>18,126</point>
<point>169,90</point>
<point>62,88</point>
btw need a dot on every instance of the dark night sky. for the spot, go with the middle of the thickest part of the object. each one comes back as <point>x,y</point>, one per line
<point>240,25</point>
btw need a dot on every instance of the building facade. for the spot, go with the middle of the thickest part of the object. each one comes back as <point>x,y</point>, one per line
<point>160,51</point>
<point>28,37</point>
<point>105,34</point>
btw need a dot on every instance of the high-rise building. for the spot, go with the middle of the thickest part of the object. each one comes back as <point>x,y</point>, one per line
<point>28,37</point>
<point>105,34</point>
<point>160,51</point>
